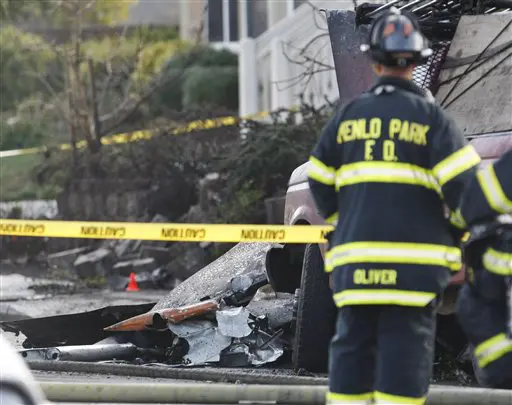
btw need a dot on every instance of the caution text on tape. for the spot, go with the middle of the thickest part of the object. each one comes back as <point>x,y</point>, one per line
<point>166,232</point>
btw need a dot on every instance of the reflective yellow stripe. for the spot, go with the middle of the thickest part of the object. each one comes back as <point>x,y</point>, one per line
<point>355,399</point>
<point>498,262</point>
<point>385,172</point>
<point>457,220</point>
<point>393,252</point>
<point>383,297</point>
<point>455,164</point>
<point>492,190</point>
<point>388,399</point>
<point>493,349</point>
<point>320,172</point>
<point>333,219</point>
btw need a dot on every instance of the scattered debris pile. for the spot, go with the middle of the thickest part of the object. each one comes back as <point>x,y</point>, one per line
<point>226,314</point>
<point>157,264</point>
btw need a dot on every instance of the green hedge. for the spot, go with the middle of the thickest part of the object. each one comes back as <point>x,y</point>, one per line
<point>211,86</point>
<point>198,76</point>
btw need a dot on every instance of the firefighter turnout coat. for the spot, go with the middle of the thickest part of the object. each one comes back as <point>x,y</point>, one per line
<point>482,307</point>
<point>488,194</point>
<point>383,172</point>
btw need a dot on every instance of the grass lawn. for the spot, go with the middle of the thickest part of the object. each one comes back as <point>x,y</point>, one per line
<point>16,179</point>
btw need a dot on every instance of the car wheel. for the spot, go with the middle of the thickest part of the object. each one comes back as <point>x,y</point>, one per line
<point>316,314</point>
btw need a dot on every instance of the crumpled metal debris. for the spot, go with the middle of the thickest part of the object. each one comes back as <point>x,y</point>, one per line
<point>72,329</point>
<point>243,288</point>
<point>238,339</point>
<point>277,307</point>
<point>215,279</point>
<point>203,320</point>
<point>204,340</point>
<point>234,322</point>
<point>263,348</point>
<point>256,349</point>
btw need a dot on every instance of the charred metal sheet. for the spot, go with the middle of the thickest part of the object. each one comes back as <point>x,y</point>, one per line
<point>478,95</point>
<point>277,307</point>
<point>236,355</point>
<point>353,69</point>
<point>214,280</point>
<point>244,287</point>
<point>257,349</point>
<point>263,350</point>
<point>204,340</point>
<point>234,322</point>
<point>72,329</point>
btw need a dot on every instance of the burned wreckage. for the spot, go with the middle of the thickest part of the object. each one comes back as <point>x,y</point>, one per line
<point>260,302</point>
<point>226,314</point>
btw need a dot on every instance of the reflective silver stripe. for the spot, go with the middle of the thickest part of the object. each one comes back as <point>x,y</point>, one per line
<point>349,402</point>
<point>498,262</point>
<point>333,219</point>
<point>389,252</point>
<point>493,349</point>
<point>320,172</point>
<point>493,192</point>
<point>456,164</point>
<point>345,399</point>
<point>387,399</point>
<point>385,172</point>
<point>383,297</point>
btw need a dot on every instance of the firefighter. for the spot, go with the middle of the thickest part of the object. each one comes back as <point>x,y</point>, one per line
<point>385,165</point>
<point>484,306</point>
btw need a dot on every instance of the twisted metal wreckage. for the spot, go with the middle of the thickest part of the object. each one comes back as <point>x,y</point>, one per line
<point>226,313</point>
<point>232,312</point>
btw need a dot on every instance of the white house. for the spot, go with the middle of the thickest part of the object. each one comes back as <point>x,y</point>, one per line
<point>269,36</point>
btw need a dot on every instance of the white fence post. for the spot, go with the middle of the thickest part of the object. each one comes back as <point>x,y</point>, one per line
<point>247,77</point>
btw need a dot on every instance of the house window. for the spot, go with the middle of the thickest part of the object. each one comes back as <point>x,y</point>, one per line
<point>223,21</point>
<point>234,35</point>
<point>257,17</point>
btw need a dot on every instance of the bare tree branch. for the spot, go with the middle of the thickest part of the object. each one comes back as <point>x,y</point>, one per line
<point>43,80</point>
<point>113,120</point>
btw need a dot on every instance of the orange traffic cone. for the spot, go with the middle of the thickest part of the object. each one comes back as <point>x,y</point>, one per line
<point>132,284</point>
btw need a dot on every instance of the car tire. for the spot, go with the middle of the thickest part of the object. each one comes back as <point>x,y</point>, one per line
<point>316,315</point>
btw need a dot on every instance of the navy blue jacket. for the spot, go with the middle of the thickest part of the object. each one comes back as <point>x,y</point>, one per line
<point>383,172</point>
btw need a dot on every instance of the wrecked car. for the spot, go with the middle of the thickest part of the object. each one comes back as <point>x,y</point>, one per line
<point>467,51</point>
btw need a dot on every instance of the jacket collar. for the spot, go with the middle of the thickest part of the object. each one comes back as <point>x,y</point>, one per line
<point>400,83</point>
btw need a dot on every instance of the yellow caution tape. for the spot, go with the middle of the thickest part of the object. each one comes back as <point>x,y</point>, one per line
<point>142,135</point>
<point>166,232</point>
